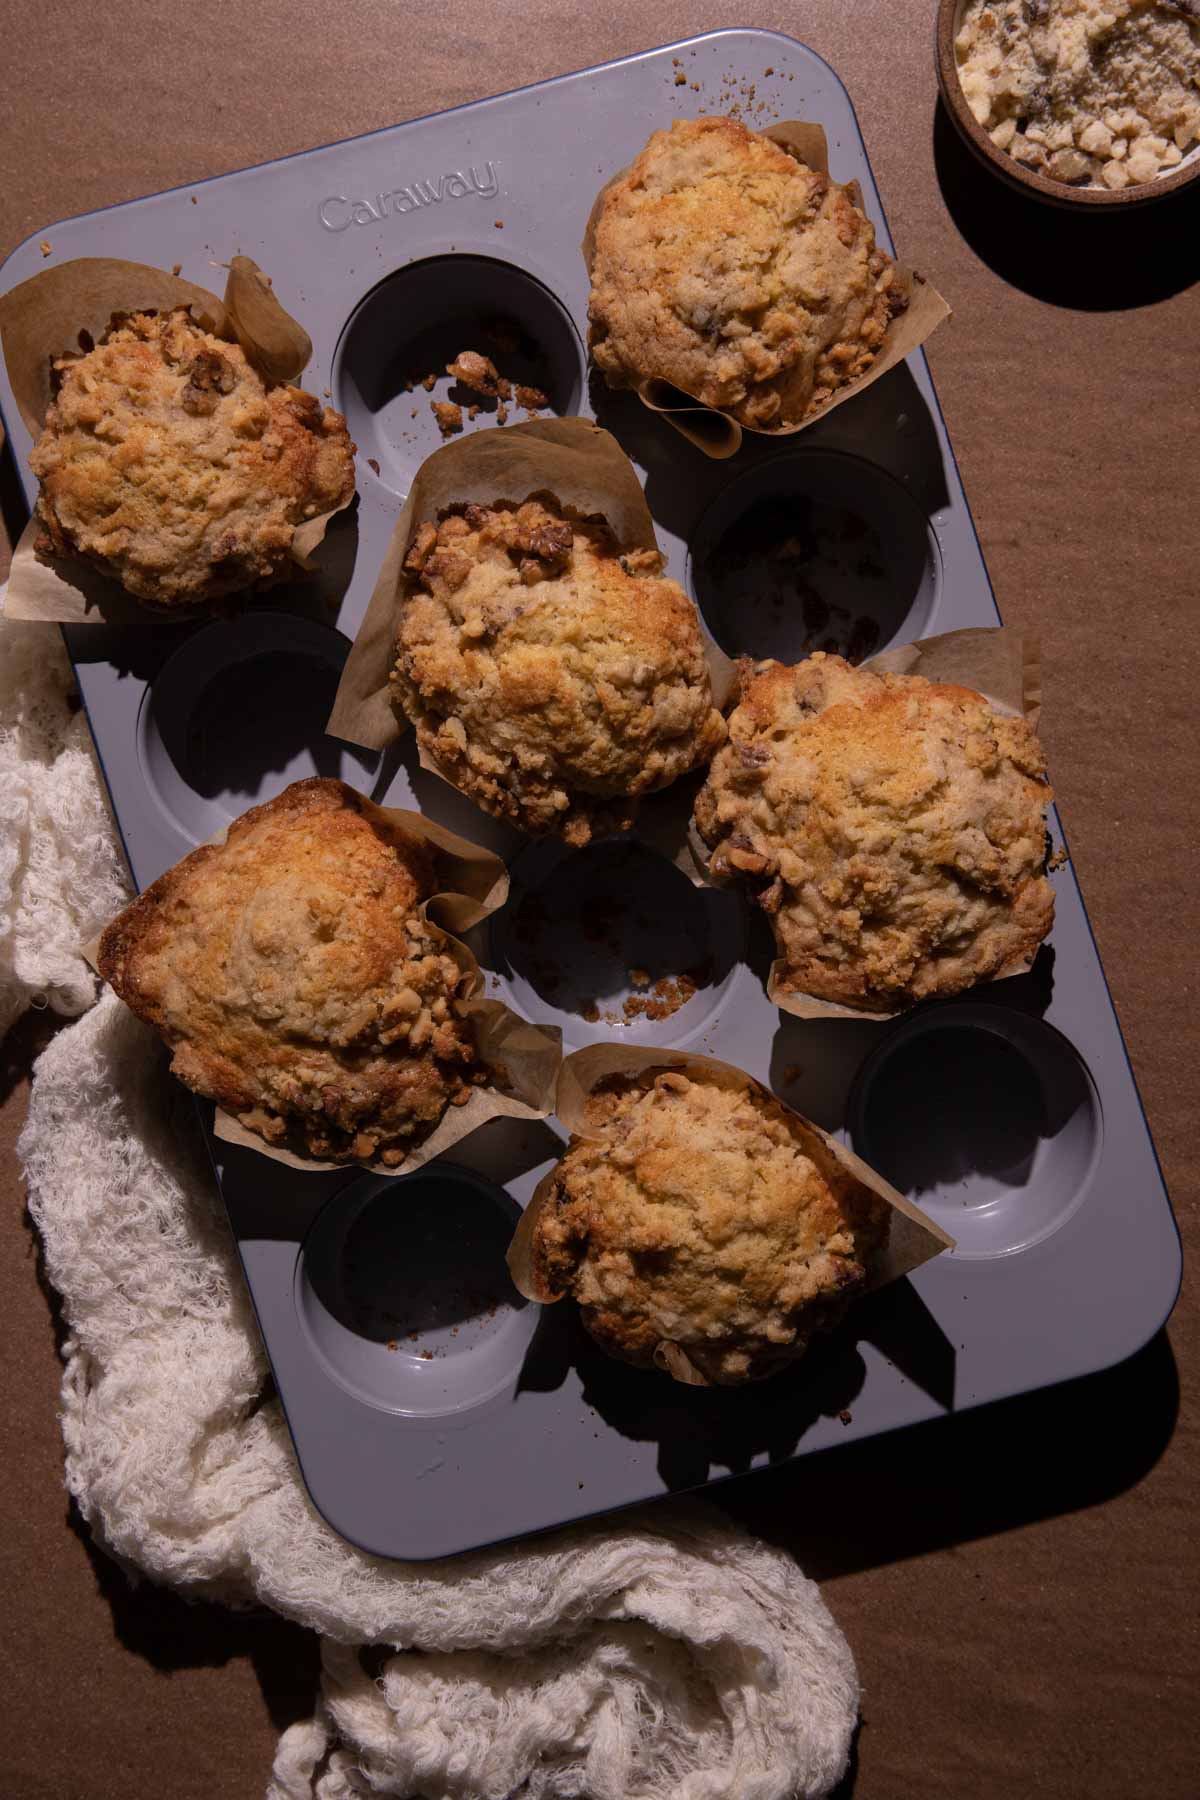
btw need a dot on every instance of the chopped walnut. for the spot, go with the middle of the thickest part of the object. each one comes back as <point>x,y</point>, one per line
<point>209,377</point>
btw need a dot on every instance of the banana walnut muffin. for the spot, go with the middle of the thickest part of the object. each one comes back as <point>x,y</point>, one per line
<point>167,463</point>
<point>295,981</point>
<point>704,1219</point>
<point>894,830</point>
<point>550,676</point>
<point>727,268</point>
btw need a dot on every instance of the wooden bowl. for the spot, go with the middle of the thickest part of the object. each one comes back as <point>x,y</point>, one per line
<point>1056,193</point>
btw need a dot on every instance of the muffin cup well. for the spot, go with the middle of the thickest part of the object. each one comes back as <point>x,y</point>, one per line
<point>1002,665</point>
<point>715,431</point>
<point>912,1237</point>
<point>577,462</point>
<point>523,1058</point>
<point>58,311</point>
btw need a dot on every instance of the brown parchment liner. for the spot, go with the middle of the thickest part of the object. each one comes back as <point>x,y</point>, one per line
<point>1001,664</point>
<point>523,1056</point>
<point>912,1238</point>
<point>43,318</point>
<point>576,461</point>
<point>715,431</point>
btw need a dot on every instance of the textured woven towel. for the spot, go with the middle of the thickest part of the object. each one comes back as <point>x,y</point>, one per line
<point>667,1655</point>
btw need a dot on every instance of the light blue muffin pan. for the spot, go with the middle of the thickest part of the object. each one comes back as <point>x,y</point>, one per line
<point>432,1409</point>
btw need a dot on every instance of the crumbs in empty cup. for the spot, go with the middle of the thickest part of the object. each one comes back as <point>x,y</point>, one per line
<point>1087,92</point>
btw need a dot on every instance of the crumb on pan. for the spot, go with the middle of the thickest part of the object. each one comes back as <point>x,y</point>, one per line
<point>729,269</point>
<point>291,974</point>
<point>449,416</point>
<point>893,830</point>
<point>549,676</point>
<point>701,1215</point>
<point>475,371</point>
<point>1087,92</point>
<point>168,463</point>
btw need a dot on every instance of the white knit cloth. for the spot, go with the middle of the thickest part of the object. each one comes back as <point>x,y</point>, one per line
<point>667,1655</point>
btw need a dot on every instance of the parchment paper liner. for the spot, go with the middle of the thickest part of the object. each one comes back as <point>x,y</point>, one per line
<point>715,431</point>
<point>528,1055</point>
<point>43,318</point>
<point>578,462</point>
<point>1002,665</point>
<point>912,1239</point>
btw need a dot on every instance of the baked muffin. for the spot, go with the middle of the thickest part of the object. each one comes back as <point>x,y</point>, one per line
<point>295,982</point>
<point>704,1218</point>
<point>167,463</point>
<point>731,270</point>
<point>549,676</point>
<point>895,831</point>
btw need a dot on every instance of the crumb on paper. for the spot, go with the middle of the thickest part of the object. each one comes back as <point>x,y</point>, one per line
<point>449,416</point>
<point>372,464</point>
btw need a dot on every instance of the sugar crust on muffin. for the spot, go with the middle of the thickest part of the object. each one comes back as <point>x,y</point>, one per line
<point>697,1215</point>
<point>169,464</point>
<point>894,830</point>
<point>549,676</point>
<point>729,269</point>
<point>297,985</point>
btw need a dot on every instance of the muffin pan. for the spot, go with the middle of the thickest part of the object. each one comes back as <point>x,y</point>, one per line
<point>1011,1114</point>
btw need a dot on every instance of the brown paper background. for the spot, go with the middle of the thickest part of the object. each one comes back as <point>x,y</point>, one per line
<point>716,432</point>
<point>582,465</point>
<point>475,884</point>
<point>912,1239</point>
<point>1017,1584</point>
<point>42,318</point>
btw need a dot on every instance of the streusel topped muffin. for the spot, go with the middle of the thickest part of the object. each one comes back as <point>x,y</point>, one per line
<point>894,831</point>
<point>550,676</point>
<point>168,463</point>
<point>706,1218</point>
<point>291,973</point>
<point>729,269</point>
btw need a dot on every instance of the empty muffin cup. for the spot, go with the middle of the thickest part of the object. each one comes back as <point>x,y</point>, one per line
<point>614,938</point>
<point>390,372</point>
<point>237,714</point>
<point>403,1291</point>
<point>814,550</point>
<point>986,1118</point>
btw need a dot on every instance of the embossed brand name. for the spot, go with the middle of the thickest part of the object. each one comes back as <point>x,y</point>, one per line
<point>337,212</point>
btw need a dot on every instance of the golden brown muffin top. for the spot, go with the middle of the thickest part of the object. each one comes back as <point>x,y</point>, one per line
<point>549,676</point>
<point>697,1215</point>
<point>726,267</point>
<point>292,976</point>
<point>167,463</point>
<point>896,830</point>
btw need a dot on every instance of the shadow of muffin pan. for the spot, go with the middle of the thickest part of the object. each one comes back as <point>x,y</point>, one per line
<point>236,715</point>
<point>986,1118</point>
<point>814,550</point>
<point>614,939</point>
<point>391,363</point>
<point>404,1294</point>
